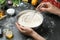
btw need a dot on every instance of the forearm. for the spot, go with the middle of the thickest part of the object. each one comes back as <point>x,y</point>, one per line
<point>55,11</point>
<point>37,36</point>
<point>58,12</point>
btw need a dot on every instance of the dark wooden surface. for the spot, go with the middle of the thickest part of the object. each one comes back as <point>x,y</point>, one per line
<point>51,22</point>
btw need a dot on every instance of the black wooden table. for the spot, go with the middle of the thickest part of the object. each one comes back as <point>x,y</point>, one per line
<point>50,29</point>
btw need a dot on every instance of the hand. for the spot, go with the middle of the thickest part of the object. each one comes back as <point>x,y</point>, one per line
<point>25,30</point>
<point>46,6</point>
<point>30,32</point>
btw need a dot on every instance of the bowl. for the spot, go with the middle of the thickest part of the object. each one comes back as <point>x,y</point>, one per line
<point>30,18</point>
<point>10,11</point>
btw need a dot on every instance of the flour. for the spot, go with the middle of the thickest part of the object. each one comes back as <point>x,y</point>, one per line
<point>30,19</point>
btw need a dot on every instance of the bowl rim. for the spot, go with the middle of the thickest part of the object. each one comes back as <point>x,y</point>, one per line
<point>23,12</point>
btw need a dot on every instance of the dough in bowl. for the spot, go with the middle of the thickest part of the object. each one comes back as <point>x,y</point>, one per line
<point>30,19</point>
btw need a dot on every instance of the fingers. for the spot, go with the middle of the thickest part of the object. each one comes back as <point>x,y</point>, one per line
<point>41,5</point>
<point>38,7</point>
<point>19,27</point>
<point>24,30</point>
<point>45,6</point>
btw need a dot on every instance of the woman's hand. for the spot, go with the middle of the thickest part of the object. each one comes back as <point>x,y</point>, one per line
<point>46,6</point>
<point>30,32</point>
<point>25,30</point>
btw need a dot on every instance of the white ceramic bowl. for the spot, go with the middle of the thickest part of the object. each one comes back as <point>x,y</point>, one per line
<point>10,11</point>
<point>30,18</point>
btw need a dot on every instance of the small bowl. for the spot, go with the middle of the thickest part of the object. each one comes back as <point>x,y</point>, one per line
<point>33,11</point>
<point>10,11</point>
